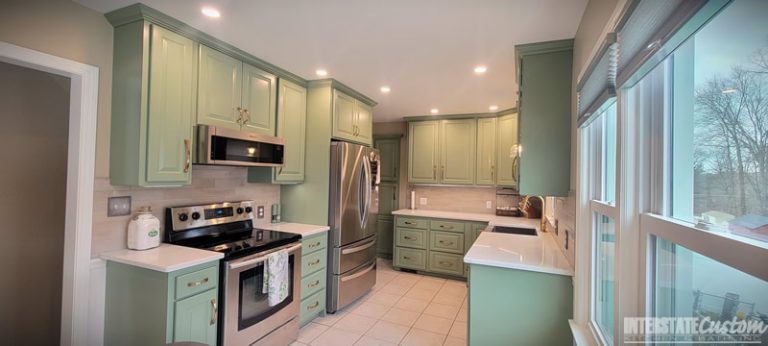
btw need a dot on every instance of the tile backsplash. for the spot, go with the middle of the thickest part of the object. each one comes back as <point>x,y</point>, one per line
<point>565,214</point>
<point>459,199</point>
<point>209,184</point>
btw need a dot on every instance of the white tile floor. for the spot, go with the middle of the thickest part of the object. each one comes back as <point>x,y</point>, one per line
<point>402,309</point>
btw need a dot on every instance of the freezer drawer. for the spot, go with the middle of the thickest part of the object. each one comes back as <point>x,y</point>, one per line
<point>348,287</point>
<point>353,255</point>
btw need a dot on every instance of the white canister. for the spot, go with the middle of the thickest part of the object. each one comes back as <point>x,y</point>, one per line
<point>144,230</point>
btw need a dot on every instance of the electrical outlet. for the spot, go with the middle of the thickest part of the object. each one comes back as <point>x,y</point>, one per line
<point>423,201</point>
<point>260,212</point>
<point>488,204</point>
<point>119,206</point>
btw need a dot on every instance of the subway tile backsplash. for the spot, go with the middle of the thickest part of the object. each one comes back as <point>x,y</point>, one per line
<point>459,199</point>
<point>209,184</point>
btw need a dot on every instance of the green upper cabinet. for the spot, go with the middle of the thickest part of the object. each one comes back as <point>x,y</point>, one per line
<point>292,126</point>
<point>153,106</point>
<point>259,100</point>
<point>485,173</point>
<point>352,119</point>
<point>457,151</point>
<point>423,151</point>
<point>389,164</point>
<point>544,76</point>
<point>235,95</point>
<point>507,151</point>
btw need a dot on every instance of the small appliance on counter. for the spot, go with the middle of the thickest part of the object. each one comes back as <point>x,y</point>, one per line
<point>144,230</point>
<point>276,214</point>
<point>507,203</point>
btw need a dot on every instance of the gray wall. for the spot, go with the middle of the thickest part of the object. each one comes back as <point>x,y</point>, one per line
<point>33,135</point>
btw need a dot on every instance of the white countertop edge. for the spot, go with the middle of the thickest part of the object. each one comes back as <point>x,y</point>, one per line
<point>119,257</point>
<point>508,265</point>
<point>305,230</point>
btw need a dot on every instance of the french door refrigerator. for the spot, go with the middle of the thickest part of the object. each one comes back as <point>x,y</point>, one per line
<point>354,205</point>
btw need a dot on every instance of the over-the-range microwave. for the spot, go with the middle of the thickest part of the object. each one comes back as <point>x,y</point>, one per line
<point>222,146</point>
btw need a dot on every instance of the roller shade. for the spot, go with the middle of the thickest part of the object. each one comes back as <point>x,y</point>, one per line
<point>650,30</point>
<point>597,85</point>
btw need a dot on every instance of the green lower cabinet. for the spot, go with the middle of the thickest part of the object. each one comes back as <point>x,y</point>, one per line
<point>519,307</point>
<point>148,307</point>
<point>445,263</point>
<point>314,255</point>
<point>385,229</point>
<point>410,258</point>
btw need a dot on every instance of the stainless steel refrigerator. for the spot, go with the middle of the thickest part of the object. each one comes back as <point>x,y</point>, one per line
<point>354,205</point>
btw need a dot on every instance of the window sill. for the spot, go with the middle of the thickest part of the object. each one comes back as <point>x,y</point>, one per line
<point>582,336</point>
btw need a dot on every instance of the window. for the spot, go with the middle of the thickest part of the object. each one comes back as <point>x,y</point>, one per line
<point>605,259</point>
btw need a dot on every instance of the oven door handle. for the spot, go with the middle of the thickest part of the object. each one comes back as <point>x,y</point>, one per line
<point>262,258</point>
<point>359,274</point>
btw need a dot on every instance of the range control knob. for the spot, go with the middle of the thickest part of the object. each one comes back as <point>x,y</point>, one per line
<point>195,216</point>
<point>248,210</point>
<point>183,217</point>
<point>240,210</point>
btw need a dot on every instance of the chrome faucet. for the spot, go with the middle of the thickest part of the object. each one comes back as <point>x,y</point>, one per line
<point>525,202</point>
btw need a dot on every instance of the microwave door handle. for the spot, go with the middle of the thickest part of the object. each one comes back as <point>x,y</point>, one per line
<point>262,258</point>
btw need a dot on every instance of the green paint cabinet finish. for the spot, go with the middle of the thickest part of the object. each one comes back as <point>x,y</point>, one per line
<point>544,76</point>
<point>235,95</point>
<point>292,126</point>
<point>507,159</point>
<point>412,238</point>
<point>385,221</point>
<point>314,254</point>
<point>485,173</point>
<point>446,241</point>
<point>457,151</point>
<point>352,119</point>
<point>518,307</point>
<point>152,107</point>
<point>147,307</point>
<point>446,263</point>
<point>423,152</point>
<point>410,258</point>
<point>389,164</point>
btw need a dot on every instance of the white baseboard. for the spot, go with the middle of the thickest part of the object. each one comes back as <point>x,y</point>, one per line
<point>96,302</point>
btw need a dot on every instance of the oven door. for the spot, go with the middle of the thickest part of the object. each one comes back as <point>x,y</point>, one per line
<point>247,316</point>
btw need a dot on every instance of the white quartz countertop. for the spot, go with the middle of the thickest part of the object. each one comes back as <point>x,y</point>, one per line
<point>296,228</point>
<point>166,258</point>
<point>534,253</point>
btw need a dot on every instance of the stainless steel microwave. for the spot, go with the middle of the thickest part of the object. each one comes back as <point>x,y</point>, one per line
<point>221,146</point>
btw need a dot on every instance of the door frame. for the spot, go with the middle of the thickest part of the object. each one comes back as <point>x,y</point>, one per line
<point>81,159</point>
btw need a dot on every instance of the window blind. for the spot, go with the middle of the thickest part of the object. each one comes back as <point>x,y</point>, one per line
<point>597,85</point>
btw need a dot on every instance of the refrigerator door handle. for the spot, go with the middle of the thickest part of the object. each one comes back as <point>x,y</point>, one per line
<point>368,186</point>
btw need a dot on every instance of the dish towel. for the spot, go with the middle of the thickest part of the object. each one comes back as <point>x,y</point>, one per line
<point>276,276</point>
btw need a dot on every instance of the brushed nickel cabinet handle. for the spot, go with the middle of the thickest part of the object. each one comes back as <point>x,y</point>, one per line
<point>409,223</point>
<point>214,311</point>
<point>408,238</point>
<point>197,283</point>
<point>446,227</point>
<point>316,262</point>
<point>247,116</point>
<point>239,120</point>
<point>445,263</point>
<point>406,258</point>
<point>317,282</point>
<point>310,307</point>
<point>188,155</point>
<point>445,242</point>
<point>314,245</point>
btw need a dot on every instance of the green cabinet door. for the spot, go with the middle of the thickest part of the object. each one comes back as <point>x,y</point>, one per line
<point>259,101</point>
<point>292,125</point>
<point>507,151</point>
<point>457,151</point>
<point>219,89</point>
<point>485,173</point>
<point>423,155</point>
<point>385,230</point>
<point>171,95</point>
<point>389,163</point>
<point>195,318</point>
<point>344,116</point>
<point>364,123</point>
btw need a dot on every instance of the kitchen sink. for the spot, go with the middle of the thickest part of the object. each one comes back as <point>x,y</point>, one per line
<point>514,230</point>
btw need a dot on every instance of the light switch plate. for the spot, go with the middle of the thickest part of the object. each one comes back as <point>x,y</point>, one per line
<point>260,212</point>
<point>423,201</point>
<point>119,206</point>
<point>488,205</point>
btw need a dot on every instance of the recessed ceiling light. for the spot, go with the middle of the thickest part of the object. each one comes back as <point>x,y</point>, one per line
<point>321,73</point>
<point>211,12</point>
<point>385,89</point>
<point>480,69</point>
<point>434,111</point>
<point>493,107</point>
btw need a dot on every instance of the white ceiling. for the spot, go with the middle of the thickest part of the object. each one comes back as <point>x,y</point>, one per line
<point>424,50</point>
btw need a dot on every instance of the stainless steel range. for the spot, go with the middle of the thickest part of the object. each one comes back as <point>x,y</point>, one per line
<point>245,317</point>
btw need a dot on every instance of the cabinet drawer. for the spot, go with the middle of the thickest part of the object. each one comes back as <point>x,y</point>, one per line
<point>311,307</point>
<point>410,258</point>
<point>196,282</point>
<point>314,243</point>
<point>450,226</point>
<point>411,223</point>
<point>446,241</point>
<point>415,238</point>
<point>441,262</point>
<point>312,283</point>
<point>312,262</point>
